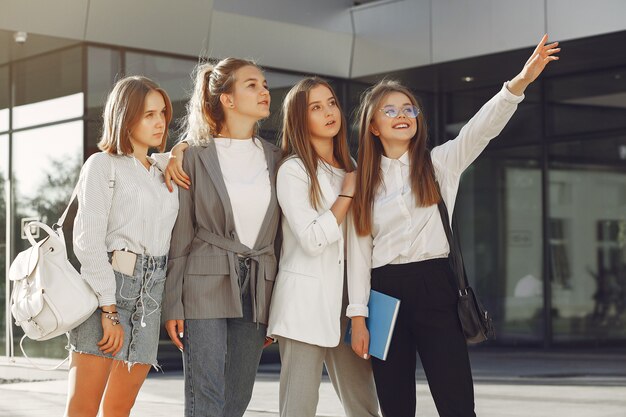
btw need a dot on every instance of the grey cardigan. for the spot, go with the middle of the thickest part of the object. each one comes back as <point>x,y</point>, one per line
<point>202,277</point>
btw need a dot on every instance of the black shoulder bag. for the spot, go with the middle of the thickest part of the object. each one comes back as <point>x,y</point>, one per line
<point>475,320</point>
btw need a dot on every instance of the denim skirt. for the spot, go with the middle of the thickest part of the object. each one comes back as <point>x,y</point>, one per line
<point>138,300</point>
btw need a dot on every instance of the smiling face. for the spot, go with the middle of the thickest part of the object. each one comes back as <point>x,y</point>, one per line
<point>323,114</point>
<point>148,131</point>
<point>250,97</point>
<point>397,130</point>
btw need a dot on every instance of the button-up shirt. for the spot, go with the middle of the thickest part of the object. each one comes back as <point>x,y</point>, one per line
<point>121,206</point>
<point>404,232</point>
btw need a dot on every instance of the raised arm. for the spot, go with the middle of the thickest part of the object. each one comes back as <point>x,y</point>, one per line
<point>457,154</point>
<point>541,56</point>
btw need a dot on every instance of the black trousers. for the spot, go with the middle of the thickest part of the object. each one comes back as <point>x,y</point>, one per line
<point>427,323</point>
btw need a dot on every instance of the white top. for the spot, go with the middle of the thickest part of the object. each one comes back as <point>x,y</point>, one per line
<point>247,180</point>
<point>403,232</point>
<point>136,213</point>
<point>307,296</point>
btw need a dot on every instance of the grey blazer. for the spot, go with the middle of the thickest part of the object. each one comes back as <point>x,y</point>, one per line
<point>202,277</point>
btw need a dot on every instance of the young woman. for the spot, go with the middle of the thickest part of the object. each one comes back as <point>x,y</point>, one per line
<point>222,259</point>
<point>315,186</point>
<point>398,244</point>
<point>121,238</point>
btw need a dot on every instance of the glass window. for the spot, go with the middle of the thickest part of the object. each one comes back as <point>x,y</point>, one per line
<point>524,126</point>
<point>48,111</point>
<point>587,238</point>
<point>43,193</point>
<point>48,88</point>
<point>279,84</point>
<point>4,98</point>
<point>103,67</point>
<point>587,103</point>
<point>172,74</point>
<point>4,165</point>
<point>499,215</point>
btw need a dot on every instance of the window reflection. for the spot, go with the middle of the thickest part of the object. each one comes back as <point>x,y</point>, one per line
<point>586,103</point>
<point>587,239</point>
<point>499,213</point>
<point>4,120</point>
<point>61,108</point>
<point>4,98</point>
<point>4,164</point>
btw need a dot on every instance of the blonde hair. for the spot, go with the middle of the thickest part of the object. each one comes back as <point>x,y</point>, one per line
<point>205,114</point>
<point>124,108</point>
<point>369,179</point>
<point>295,135</point>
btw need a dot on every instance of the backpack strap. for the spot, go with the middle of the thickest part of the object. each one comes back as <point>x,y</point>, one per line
<point>41,368</point>
<point>59,223</point>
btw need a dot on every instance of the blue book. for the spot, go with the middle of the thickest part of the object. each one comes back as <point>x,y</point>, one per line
<point>383,311</point>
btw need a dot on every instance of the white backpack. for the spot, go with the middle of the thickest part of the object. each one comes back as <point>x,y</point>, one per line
<point>49,296</point>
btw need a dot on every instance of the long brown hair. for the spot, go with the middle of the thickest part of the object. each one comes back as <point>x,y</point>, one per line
<point>369,178</point>
<point>124,108</point>
<point>296,136</point>
<point>205,114</point>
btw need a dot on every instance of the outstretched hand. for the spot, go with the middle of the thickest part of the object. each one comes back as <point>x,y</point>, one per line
<point>541,56</point>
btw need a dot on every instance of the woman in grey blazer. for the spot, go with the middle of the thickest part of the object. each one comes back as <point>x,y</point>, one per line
<point>222,261</point>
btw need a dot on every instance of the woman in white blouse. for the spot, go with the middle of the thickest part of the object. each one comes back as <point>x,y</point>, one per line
<point>398,246</point>
<point>121,238</point>
<point>315,186</point>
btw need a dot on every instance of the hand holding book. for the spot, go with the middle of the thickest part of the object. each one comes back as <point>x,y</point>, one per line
<point>360,337</point>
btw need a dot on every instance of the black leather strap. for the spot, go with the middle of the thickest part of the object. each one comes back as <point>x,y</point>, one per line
<point>455,256</point>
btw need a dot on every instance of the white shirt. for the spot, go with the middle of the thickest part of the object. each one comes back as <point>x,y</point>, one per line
<point>247,180</point>
<point>403,232</point>
<point>136,213</point>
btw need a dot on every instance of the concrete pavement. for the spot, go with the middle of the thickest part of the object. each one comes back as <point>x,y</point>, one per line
<point>508,384</point>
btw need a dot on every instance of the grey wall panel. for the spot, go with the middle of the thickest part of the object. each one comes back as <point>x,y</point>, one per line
<point>569,19</point>
<point>162,25</point>
<point>391,36</point>
<point>465,28</point>
<point>280,45</point>
<point>61,18</point>
<point>333,15</point>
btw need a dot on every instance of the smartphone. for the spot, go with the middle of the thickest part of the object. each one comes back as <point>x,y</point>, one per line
<point>124,262</point>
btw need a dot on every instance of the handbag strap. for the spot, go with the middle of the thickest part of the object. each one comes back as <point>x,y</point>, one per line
<point>455,256</point>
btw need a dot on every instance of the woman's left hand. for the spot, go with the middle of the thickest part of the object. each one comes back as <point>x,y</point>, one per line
<point>541,56</point>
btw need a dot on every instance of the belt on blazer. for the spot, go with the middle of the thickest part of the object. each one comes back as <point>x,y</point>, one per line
<point>257,268</point>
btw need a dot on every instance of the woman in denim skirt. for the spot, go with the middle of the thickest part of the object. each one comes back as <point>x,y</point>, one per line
<point>121,238</point>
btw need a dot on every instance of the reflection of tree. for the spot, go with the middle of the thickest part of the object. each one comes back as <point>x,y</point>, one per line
<point>53,194</point>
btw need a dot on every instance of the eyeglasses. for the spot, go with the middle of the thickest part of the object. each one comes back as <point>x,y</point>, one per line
<point>408,110</point>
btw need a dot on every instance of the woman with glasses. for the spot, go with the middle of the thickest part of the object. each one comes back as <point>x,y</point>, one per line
<point>397,244</point>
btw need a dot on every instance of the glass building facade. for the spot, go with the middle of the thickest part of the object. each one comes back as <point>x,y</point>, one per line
<point>542,212</point>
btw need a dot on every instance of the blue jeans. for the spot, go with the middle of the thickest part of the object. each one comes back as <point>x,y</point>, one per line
<point>220,359</point>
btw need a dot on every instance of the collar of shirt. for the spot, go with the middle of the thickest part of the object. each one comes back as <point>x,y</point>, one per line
<point>385,162</point>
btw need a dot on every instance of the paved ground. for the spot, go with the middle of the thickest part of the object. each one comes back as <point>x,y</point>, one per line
<point>508,384</point>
